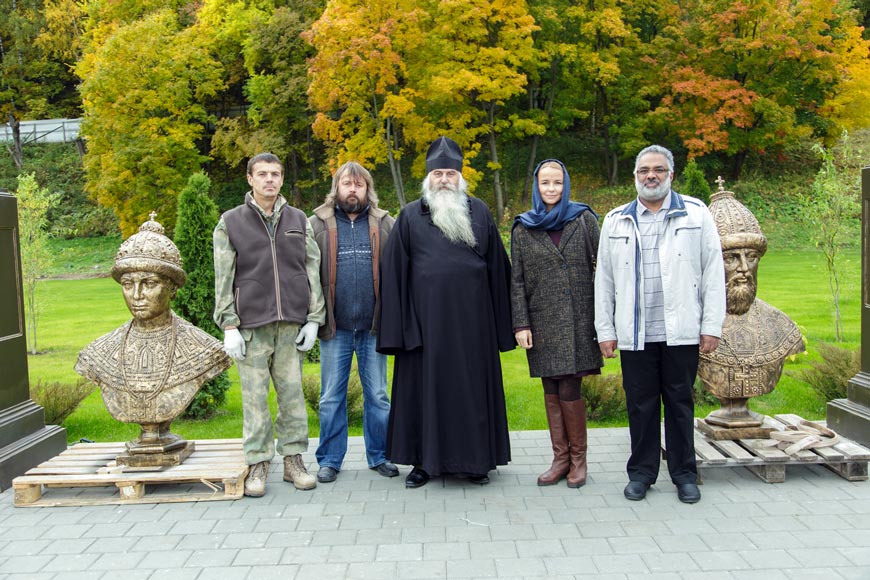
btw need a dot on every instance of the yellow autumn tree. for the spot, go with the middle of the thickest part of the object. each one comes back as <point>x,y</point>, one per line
<point>143,87</point>
<point>847,108</point>
<point>359,82</point>
<point>600,51</point>
<point>477,53</point>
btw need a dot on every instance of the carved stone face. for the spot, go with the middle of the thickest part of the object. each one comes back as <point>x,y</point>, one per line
<point>148,295</point>
<point>741,272</point>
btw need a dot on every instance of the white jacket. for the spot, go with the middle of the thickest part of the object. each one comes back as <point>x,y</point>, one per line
<point>693,276</point>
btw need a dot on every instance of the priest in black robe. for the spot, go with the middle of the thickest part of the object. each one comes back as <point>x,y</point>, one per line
<point>445,316</point>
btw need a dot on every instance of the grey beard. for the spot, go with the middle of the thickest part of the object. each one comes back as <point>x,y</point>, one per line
<point>740,296</point>
<point>655,194</point>
<point>450,213</point>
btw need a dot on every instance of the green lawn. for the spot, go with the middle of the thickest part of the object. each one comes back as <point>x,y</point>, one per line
<point>82,256</point>
<point>78,311</point>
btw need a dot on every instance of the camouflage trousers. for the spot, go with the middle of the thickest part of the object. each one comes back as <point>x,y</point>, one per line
<point>270,354</point>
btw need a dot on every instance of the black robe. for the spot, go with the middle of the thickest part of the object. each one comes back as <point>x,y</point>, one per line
<point>445,315</point>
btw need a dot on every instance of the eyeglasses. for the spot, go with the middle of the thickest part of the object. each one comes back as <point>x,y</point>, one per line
<point>644,171</point>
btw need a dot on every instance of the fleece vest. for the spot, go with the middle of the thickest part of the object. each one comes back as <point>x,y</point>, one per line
<point>271,283</point>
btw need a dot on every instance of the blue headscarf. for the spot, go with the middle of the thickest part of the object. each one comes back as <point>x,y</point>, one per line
<point>538,218</point>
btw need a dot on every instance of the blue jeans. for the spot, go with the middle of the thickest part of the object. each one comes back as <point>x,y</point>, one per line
<point>335,361</point>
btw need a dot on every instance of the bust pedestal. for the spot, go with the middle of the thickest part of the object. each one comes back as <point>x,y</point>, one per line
<point>25,440</point>
<point>850,417</point>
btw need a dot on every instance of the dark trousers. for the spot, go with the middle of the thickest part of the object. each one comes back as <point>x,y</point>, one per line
<point>660,374</point>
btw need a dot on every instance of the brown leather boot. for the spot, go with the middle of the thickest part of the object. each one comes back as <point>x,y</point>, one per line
<point>559,439</point>
<point>574,413</point>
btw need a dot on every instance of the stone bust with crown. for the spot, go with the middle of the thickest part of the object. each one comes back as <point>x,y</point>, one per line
<point>756,337</point>
<point>149,369</point>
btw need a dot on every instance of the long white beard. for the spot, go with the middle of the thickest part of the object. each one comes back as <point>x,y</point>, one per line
<point>655,193</point>
<point>450,213</point>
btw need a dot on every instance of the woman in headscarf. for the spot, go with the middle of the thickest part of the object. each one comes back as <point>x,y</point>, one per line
<point>553,249</point>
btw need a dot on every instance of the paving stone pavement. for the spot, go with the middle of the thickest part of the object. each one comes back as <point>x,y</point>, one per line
<point>814,526</point>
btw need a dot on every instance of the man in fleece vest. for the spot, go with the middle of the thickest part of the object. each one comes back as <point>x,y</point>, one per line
<point>269,303</point>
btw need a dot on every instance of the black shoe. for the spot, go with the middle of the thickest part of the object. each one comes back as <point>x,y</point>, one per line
<point>479,479</point>
<point>386,469</point>
<point>327,474</point>
<point>635,490</point>
<point>417,478</point>
<point>688,493</point>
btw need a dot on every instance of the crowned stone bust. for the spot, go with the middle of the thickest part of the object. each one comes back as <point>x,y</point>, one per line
<point>149,369</point>
<point>756,337</point>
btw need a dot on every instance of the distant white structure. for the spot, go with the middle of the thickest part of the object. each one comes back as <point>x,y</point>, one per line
<point>43,131</point>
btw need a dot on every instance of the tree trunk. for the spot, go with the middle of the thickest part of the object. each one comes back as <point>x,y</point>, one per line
<point>496,174</point>
<point>611,158</point>
<point>533,154</point>
<point>32,316</point>
<point>614,180</point>
<point>295,192</point>
<point>15,149</point>
<point>737,166</point>
<point>81,148</point>
<point>395,165</point>
<point>530,172</point>
<point>312,165</point>
<point>834,284</point>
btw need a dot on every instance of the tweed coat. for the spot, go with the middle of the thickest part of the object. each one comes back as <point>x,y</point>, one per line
<point>552,293</point>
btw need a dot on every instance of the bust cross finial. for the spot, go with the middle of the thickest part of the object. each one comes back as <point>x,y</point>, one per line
<point>721,183</point>
<point>153,214</point>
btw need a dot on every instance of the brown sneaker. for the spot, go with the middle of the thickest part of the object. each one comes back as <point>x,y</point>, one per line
<point>295,473</point>
<point>255,483</point>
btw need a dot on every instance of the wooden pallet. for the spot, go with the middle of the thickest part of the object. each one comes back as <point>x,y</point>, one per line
<point>847,459</point>
<point>87,474</point>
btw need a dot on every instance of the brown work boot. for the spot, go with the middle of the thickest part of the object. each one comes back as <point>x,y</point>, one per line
<point>559,439</point>
<point>295,473</point>
<point>574,413</point>
<point>255,483</point>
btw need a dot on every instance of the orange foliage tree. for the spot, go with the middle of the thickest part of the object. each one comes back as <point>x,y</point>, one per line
<point>748,76</point>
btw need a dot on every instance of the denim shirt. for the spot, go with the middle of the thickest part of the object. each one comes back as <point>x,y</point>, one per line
<point>354,294</point>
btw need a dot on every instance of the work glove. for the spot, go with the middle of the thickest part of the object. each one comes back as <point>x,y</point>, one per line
<point>234,344</point>
<point>306,337</point>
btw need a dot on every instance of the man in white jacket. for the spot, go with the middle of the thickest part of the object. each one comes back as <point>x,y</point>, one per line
<point>659,299</point>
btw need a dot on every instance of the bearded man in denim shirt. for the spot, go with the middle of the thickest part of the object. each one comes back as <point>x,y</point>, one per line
<point>351,232</point>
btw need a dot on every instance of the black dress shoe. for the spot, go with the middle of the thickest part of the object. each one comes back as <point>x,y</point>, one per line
<point>688,493</point>
<point>417,478</point>
<point>479,479</point>
<point>327,474</point>
<point>386,469</point>
<point>635,490</point>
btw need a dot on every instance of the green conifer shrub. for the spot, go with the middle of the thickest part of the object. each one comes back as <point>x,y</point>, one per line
<point>694,183</point>
<point>197,217</point>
